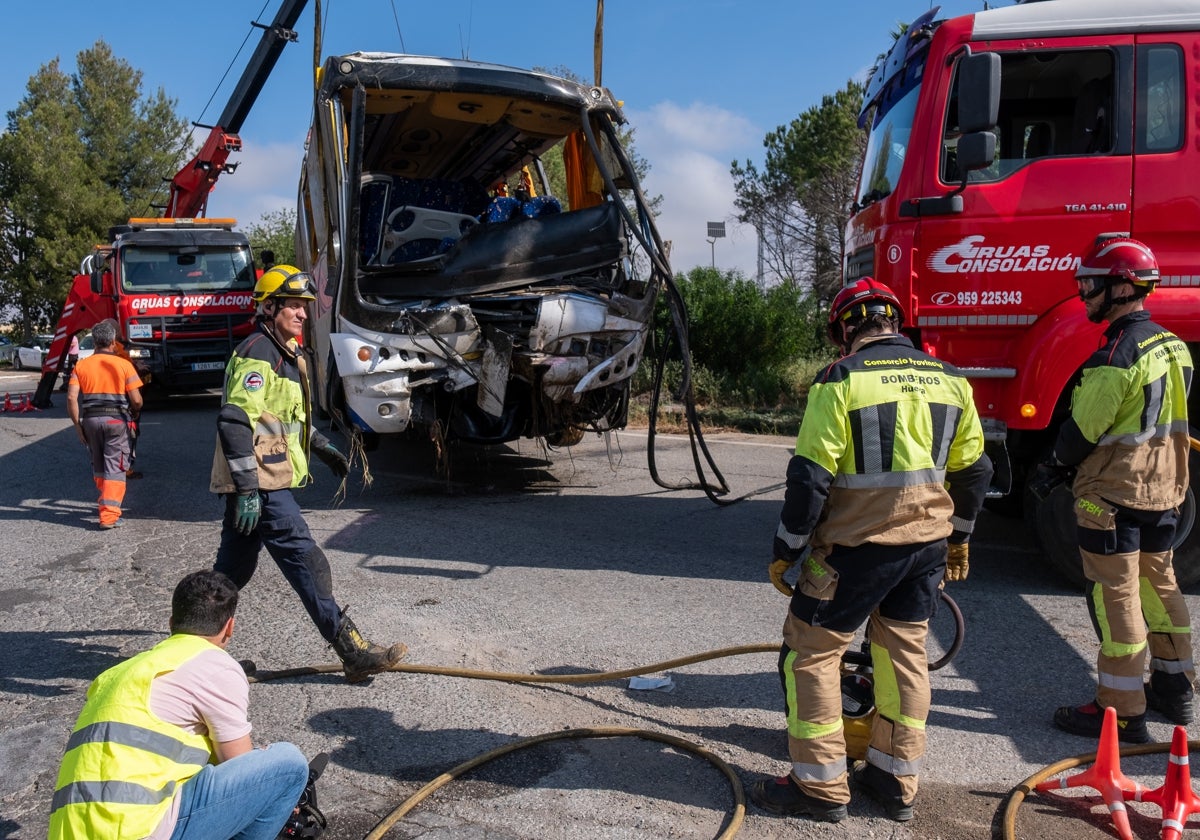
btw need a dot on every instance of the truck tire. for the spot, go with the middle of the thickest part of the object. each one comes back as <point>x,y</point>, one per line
<point>1054,525</point>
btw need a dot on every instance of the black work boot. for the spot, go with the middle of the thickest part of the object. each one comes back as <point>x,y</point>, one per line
<point>1088,719</point>
<point>1171,696</point>
<point>783,796</point>
<point>360,658</point>
<point>883,788</point>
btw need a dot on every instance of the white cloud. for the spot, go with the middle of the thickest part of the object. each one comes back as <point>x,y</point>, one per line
<point>265,181</point>
<point>689,151</point>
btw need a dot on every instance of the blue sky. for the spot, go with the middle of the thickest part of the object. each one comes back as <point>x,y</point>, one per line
<point>703,81</point>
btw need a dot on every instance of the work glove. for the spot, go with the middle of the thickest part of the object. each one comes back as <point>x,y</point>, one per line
<point>957,565</point>
<point>1048,476</point>
<point>333,459</point>
<point>249,509</point>
<point>777,570</point>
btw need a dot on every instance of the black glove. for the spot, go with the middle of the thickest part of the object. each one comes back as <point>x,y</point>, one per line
<point>333,459</point>
<point>1048,476</point>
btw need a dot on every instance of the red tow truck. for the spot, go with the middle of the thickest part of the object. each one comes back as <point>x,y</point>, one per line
<point>179,287</point>
<point>1001,144</point>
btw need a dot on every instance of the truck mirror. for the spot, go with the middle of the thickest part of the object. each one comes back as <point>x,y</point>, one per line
<point>976,150</point>
<point>98,281</point>
<point>978,92</point>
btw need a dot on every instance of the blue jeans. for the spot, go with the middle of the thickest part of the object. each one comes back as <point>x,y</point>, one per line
<point>246,798</point>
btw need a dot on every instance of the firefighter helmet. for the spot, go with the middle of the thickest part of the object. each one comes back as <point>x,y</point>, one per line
<point>865,296</point>
<point>1120,259</point>
<point>285,281</point>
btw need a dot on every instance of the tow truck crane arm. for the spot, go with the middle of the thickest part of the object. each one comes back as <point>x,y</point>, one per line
<point>192,184</point>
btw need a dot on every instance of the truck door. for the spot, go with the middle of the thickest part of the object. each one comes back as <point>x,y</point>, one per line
<point>1061,176</point>
<point>1165,169</point>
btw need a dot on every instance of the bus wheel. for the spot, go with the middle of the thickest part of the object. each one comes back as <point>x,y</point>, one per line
<point>1054,524</point>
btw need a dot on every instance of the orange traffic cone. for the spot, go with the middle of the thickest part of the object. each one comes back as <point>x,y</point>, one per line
<point>8,403</point>
<point>1105,777</point>
<point>26,405</point>
<point>1176,797</point>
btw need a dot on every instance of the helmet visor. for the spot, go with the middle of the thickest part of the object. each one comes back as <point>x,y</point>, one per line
<point>296,285</point>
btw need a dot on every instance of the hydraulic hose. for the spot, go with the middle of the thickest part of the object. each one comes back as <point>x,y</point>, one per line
<point>1018,794</point>
<point>739,797</point>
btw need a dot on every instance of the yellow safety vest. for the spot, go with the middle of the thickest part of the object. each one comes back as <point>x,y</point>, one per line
<point>122,763</point>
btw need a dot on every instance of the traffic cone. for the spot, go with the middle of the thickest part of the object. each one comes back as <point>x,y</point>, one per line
<point>1176,797</point>
<point>8,403</point>
<point>26,405</point>
<point>1105,777</point>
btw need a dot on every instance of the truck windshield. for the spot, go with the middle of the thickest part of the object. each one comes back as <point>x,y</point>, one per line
<point>891,126</point>
<point>213,268</point>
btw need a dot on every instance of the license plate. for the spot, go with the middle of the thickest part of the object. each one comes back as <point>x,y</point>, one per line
<point>196,366</point>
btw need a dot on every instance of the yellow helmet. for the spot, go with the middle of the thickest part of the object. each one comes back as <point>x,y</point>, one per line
<point>284,281</point>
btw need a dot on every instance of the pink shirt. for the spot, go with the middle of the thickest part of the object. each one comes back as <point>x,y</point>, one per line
<point>208,695</point>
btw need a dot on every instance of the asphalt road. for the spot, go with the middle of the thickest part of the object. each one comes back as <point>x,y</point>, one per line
<point>528,561</point>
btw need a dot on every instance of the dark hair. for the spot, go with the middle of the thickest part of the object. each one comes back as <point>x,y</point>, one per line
<point>202,603</point>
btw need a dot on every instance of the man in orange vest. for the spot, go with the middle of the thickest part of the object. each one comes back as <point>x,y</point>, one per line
<point>103,399</point>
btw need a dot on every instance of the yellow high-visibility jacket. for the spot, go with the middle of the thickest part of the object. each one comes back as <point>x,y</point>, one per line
<point>122,763</point>
<point>1128,430</point>
<point>890,451</point>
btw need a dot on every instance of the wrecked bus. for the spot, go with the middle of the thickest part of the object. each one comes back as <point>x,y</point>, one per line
<point>457,293</point>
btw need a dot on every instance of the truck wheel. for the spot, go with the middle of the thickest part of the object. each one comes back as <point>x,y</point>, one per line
<point>17,362</point>
<point>1054,524</point>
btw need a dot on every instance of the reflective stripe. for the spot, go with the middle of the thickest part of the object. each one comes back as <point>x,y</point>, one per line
<point>1119,683</point>
<point>127,793</point>
<point>1177,759</point>
<point>131,735</point>
<point>1152,398</point>
<point>891,764</point>
<point>945,426</point>
<point>1172,666</point>
<point>967,526</point>
<point>247,464</point>
<point>1164,430</point>
<point>913,478</point>
<point>793,541</point>
<point>872,444</point>
<point>818,772</point>
<point>1169,823</point>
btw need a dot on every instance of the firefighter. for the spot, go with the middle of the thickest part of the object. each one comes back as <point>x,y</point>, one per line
<point>1127,440</point>
<point>263,444</point>
<point>889,465</point>
<point>103,400</point>
<point>162,746</point>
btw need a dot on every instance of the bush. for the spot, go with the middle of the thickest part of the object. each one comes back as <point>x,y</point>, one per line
<point>749,346</point>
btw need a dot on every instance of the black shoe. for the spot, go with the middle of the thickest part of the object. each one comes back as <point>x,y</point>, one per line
<point>1176,708</point>
<point>1088,719</point>
<point>782,796</point>
<point>874,783</point>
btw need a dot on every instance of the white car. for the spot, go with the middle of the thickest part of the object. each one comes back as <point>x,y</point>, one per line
<point>32,352</point>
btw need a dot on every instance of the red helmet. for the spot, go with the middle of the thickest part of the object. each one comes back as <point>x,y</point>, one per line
<point>865,296</point>
<point>1121,258</point>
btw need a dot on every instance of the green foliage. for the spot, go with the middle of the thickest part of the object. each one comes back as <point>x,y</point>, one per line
<point>80,153</point>
<point>275,232</point>
<point>745,341</point>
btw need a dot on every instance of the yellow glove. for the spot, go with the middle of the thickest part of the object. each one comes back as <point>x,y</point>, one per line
<point>956,561</point>
<point>777,570</point>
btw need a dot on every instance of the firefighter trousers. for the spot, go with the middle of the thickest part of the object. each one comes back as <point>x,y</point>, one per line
<point>895,590</point>
<point>284,533</point>
<point>1134,601</point>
